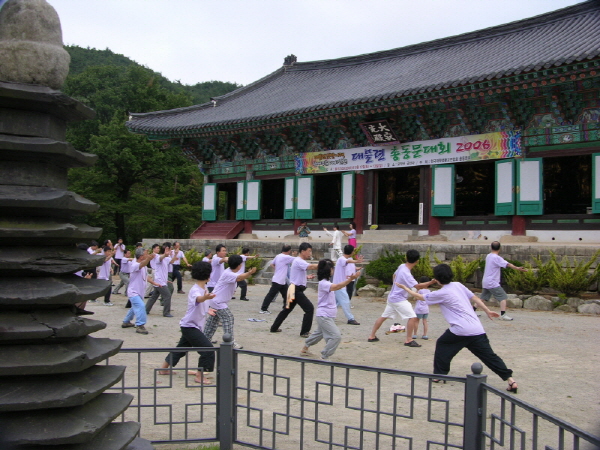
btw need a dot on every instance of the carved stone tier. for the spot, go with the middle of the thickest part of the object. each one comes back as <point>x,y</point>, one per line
<point>45,326</point>
<point>28,261</point>
<point>61,426</point>
<point>40,359</point>
<point>115,436</point>
<point>57,391</point>
<point>28,293</point>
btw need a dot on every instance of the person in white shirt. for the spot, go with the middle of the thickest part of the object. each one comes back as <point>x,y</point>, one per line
<point>160,266</point>
<point>243,285</point>
<point>491,278</point>
<point>280,263</point>
<point>339,276</point>
<point>177,266</point>
<point>336,242</point>
<point>119,249</point>
<point>223,292</point>
<point>218,266</point>
<point>105,273</point>
<point>298,278</point>
<point>124,272</point>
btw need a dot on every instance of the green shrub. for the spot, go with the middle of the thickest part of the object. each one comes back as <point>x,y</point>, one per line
<point>462,269</point>
<point>572,279</point>
<point>250,263</point>
<point>423,267</point>
<point>192,256</point>
<point>356,251</point>
<point>531,281</point>
<point>361,282</point>
<point>383,268</point>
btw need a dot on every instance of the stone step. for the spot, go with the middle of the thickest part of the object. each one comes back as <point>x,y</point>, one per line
<point>51,326</point>
<point>116,436</point>
<point>63,426</point>
<point>390,236</point>
<point>67,357</point>
<point>42,291</point>
<point>24,261</point>
<point>44,201</point>
<point>57,391</point>
<point>46,231</point>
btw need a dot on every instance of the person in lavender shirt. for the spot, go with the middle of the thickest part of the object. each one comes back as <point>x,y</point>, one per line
<point>327,310</point>
<point>135,290</point>
<point>218,266</point>
<point>339,275</point>
<point>422,310</point>
<point>281,264</point>
<point>192,325</point>
<point>465,328</point>
<point>491,278</point>
<point>397,302</point>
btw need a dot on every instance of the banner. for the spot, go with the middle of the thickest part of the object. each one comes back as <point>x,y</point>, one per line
<point>438,151</point>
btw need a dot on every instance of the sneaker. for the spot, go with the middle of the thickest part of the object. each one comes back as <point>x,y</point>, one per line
<point>323,358</point>
<point>127,325</point>
<point>244,299</point>
<point>237,346</point>
<point>425,338</point>
<point>415,336</point>
<point>506,317</point>
<point>93,301</point>
<point>115,293</point>
<point>264,312</point>
<point>305,335</point>
<point>141,329</point>
<point>353,322</point>
<point>232,298</point>
<point>108,304</point>
<point>181,292</point>
<point>412,344</point>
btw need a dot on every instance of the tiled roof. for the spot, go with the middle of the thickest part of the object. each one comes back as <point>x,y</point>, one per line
<point>561,37</point>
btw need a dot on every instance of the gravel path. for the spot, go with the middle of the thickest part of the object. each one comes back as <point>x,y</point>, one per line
<point>555,356</point>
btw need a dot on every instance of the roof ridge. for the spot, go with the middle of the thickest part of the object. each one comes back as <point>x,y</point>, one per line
<point>471,36</point>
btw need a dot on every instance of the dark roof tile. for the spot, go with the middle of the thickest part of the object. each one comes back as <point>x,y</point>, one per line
<point>569,34</point>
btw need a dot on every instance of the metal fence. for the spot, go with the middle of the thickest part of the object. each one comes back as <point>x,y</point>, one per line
<point>267,401</point>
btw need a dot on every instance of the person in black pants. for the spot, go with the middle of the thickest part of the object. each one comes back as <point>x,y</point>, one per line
<point>192,325</point>
<point>465,328</point>
<point>298,280</point>
<point>281,264</point>
<point>177,266</point>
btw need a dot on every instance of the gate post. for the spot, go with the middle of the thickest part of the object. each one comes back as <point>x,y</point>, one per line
<point>226,394</point>
<point>475,409</point>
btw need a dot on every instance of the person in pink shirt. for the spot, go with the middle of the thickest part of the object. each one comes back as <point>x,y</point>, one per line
<point>465,328</point>
<point>327,310</point>
<point>192,325</point>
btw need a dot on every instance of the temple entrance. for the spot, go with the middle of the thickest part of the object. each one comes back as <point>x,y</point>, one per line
<point>398,196</point>
<point>327,196</point>
<point>226,199</point>
<point>567,184</point>
<point>474,188</point>
<point>273,193</point>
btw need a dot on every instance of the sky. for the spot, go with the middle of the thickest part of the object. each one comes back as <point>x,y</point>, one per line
<point>242,41</point>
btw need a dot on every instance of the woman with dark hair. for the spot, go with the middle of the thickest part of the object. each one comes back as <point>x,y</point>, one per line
<point>465,328</point>
<point>326,311</point>
<point>192,325</point>
<point>351,235</point>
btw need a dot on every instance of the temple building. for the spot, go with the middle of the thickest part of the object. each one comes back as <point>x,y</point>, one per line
<point>496,131</point>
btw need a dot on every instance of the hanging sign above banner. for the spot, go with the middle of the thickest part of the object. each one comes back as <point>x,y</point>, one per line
<point>438,151</point>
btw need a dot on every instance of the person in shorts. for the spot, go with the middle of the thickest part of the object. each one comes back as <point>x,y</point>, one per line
<point>398,304</point>
<point>422,310</point>
<point>491,278</point>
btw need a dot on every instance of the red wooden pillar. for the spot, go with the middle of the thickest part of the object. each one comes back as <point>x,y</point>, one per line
<point>359,202</point>
<point>519,225</point>
<point>247,226</point>
<point>296,225</point>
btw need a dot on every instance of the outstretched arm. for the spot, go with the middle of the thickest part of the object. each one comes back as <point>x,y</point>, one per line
<point>343,284</point>
<point>245,276</point>
<point>481,304</point>
<point>512,266</point>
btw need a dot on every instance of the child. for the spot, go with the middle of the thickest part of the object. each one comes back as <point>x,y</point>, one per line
<point>223,291</point>
<point>327,310</point>
<point>192,325</point>
<point>422,310</point>
<point>244,284</point>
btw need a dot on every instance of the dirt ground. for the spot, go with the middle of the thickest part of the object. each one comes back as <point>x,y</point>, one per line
<point>555,356</point>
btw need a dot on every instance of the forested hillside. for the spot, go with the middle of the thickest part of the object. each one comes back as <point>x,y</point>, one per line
<point>144,188</point>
